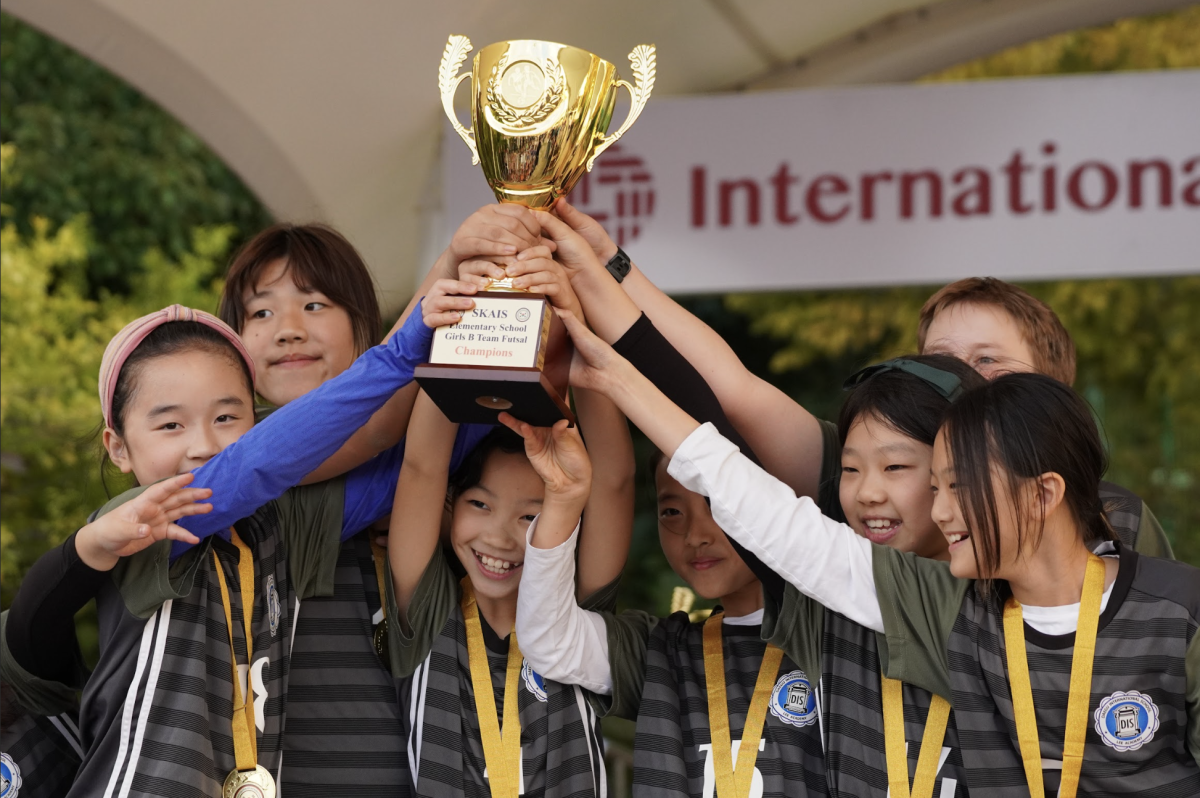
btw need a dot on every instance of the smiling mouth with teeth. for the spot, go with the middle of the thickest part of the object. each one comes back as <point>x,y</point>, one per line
<point>879,530</point>
<point>494,566</point>
<point>957,537</point>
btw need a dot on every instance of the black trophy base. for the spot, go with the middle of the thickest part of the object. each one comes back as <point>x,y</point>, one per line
<point>477,394</point>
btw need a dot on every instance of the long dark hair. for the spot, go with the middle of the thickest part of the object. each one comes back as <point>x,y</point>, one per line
<point>905,401</point>
<point>1022,426</point>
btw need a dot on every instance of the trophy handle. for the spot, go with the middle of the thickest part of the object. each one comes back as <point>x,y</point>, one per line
<point>642,60</point>
<point>448,79</point>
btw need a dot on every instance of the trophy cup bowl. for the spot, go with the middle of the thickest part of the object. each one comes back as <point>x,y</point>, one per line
<point>540,113</point>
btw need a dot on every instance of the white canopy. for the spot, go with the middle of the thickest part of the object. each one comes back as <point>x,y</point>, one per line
<point>330,111</point>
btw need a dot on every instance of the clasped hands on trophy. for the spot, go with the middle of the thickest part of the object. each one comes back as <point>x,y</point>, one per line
<point>536,252</point>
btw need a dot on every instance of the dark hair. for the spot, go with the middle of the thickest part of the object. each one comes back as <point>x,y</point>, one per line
<point>904,401</point>
<point>171,338</point>
<point>1027,425</point>
<point>467,476</point>
<point>318,258</point>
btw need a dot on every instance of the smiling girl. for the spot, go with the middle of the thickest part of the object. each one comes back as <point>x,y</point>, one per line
<point>176,392</point>
<point>480,719</point>
<point>1108,643</point>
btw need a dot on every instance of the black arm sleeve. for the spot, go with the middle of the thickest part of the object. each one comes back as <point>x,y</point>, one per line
<point>652,354</point>
<point>54,589</point>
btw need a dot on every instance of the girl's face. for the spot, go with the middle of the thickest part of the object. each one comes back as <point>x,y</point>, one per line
<point>885,489</point>
<point>948,513</point>
<point>489,524</point>
<point>185,408</point>
<point>298,339</point>
<point>694,545</point>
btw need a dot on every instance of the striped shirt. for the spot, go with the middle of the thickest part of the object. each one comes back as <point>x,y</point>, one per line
<point>562,754</point>
<point>156,716</point>
<point>1143,732</point>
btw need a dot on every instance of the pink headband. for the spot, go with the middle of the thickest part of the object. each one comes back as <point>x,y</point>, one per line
<point>127,340</point>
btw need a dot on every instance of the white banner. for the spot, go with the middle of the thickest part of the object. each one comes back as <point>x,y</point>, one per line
<point>1021,179</point>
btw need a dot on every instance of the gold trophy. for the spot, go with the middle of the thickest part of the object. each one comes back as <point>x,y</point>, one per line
<point>539,117</point>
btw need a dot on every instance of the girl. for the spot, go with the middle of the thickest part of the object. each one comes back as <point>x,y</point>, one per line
<point>480,718</point>
<point>164,710</point>
<point>1015,467</point>
<point>304,304</point>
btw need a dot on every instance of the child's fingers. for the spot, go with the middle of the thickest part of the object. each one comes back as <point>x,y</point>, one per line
<point>508,213</point>
<point>161,491</point>
<point>472,270</point>
<point>442,319</point>
<point>448,287</point>
<point>194,508</point>
<point>536,253</point>
<point>176,532</point>
<point>515,424</point>
<point>183,497</point>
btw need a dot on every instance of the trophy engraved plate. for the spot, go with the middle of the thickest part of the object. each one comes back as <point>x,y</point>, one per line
<point>540,113</point>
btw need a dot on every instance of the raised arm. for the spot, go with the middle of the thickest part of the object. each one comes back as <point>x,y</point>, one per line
<point>820,557</point>
<point>608,518</point>
<point>785,437</point>
<point>413,535</point>
<point>494,231</point>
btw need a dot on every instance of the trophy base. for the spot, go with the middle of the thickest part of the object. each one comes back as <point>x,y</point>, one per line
<point>477,395</point>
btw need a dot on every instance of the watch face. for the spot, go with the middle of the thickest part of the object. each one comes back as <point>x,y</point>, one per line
<point>618,265</point>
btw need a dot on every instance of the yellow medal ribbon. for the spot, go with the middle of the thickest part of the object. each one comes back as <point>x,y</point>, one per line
<point>249,778</point>
<point>501,752</point>
<point>1081,685</point>
<point>733,780</point>
<point>894,745</point>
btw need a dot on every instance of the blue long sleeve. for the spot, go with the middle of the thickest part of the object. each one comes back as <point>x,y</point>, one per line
<point>295,439</point>
<point>371,487</point>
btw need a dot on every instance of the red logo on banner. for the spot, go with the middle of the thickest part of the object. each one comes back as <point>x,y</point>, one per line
<point>618,193</point>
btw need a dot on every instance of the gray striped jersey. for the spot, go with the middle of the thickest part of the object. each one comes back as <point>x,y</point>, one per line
<point>39,755</point>
<point>344,732</point>
<point>852,715</point>
<point>672,750</point>
<point>156,714</point>
<point>1137,716</point>
<point>562,753</point>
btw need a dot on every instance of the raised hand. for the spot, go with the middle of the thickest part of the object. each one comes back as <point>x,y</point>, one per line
<point>595,365</point>
<point>558,456</point>
<point>571,250</point>
<point>447,302</point>
<point>141,522</point>
<point>493,231</point>
<point>588,228</point>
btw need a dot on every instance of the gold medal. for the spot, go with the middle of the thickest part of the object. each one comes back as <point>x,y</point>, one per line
<point>379,636</point>
<point>895,747</point>
<point>255,783</point>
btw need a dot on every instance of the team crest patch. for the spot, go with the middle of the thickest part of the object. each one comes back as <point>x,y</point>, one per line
<point>793,700</point>
<point>1126,721</point>
<point>273,611</point>
<point>10,777</point>
<point>534,682</point>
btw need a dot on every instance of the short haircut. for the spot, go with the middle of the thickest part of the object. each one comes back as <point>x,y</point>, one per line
<point>1050,343</point>
<point>319,258</point>
<point>467,476</point>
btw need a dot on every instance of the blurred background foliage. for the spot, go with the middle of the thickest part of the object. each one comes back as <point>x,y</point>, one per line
<point>113,209</point>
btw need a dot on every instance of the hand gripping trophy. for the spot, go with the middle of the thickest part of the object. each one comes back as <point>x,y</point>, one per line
<point>539,119</point>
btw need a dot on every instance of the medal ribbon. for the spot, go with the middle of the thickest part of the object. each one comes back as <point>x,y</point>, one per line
<point>1081,684</point>
<point>501,752</point>
<point>379,555</point>
<point>245,738</point>
<point>733,781</point>
<point>894,746</point>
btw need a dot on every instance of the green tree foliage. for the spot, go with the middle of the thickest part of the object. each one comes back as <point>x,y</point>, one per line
<point>52,337</point>
<point>91,144</point>
<point>1138,362</point>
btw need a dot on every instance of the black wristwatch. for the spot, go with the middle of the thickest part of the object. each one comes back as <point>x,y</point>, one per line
<point>618,265</point>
